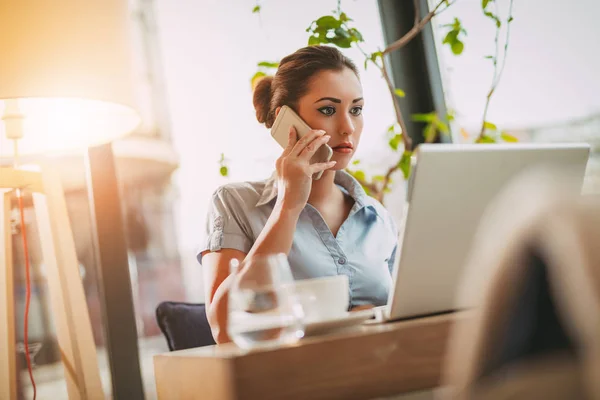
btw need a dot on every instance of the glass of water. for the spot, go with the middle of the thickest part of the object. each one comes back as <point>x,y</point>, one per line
<point>264,309</point>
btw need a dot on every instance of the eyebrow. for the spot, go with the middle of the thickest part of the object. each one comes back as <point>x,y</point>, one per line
<point>333,99</point>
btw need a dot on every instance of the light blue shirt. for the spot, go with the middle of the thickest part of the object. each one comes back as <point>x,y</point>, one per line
<point>363,250</point>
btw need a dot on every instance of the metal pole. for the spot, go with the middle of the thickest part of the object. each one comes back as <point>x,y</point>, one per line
<point>113,274</point>
<point>415,67</point>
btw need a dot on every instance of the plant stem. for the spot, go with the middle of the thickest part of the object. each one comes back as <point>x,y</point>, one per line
<point>510,7</point>
<point>497,72</point>
<point>405,137</point>
<point>386,181</point>
<point>417,11</point>
<point>418,27</point>
<point>399,117</point>
<point>371,186</point>
<point>375,190</point>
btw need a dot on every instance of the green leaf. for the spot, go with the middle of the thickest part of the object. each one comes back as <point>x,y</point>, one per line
<point>256,77</point>
<point>399,92</point>
<point>489,57</point>
<point>268,64</point>
<point>442,127</point>
<point>484,3</point>
<point>391,128</point>
<point>224,171</point>
<point>450,116</point>
<point>314,40</point>
<point>490,126</point>
<point>329,22</point>
<point>450,37</point>
<point>321,31</point>
<point>404,164</point>
<point>376,55</point>
<point>366,63</point>
<point>395,141</point>
<point>341,32</point>
<point>430,132</point>
<point>490,15</point>
<point>486,139</point>
<point>498,23</point>
<point>456,24</point>
<point>510,19</point>
<point>359,175</point>
<point>344,43</point>
<point>423,117</point>
<point>344,17</point>
<point>457,47</point>
<point>356,162</point>
<point>356,35</point>
<point>256,9</point>
<point>508,137</point>
<point>379,178</point>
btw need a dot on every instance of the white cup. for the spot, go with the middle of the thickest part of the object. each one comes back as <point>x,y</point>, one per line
<point>323,298</point>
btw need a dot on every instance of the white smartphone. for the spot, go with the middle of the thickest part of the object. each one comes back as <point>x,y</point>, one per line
<point>281,130</point>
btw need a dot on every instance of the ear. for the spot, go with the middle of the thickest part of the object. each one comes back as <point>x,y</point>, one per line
<point>277,111</point>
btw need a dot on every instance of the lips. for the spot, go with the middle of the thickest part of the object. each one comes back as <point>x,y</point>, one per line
<point>345,147</point>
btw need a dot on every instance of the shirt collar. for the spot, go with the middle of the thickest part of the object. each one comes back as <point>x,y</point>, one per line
<point>342,178</point>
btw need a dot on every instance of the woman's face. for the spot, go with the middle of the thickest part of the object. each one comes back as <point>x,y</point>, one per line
<point>334,103</point>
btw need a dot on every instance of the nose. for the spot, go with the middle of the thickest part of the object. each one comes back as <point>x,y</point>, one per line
<point>347,126</point>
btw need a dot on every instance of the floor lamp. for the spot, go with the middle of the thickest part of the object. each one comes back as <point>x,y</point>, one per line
<point>65,84</point>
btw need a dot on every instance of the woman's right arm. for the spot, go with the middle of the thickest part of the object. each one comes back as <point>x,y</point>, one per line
<point>294,182</point>
<point>276,237</point>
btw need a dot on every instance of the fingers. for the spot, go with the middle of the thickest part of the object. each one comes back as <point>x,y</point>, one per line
<point>292,139</point>
<point>318,167</point>
<point>313,146</point>
<point>305,141</point>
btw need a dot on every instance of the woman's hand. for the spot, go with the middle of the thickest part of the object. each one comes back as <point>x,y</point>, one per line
<point>294,171</point>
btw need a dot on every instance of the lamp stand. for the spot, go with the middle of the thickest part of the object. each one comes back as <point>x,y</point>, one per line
<point>67,297</point>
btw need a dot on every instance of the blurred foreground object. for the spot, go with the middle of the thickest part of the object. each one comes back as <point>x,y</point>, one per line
<point>536,331</point>
<point>65,85</point>
<point>66,75</point>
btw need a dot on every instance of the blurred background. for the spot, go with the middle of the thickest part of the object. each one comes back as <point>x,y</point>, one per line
<point>194,63</point>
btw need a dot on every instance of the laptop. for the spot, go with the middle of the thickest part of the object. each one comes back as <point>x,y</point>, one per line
<point>448,192</point>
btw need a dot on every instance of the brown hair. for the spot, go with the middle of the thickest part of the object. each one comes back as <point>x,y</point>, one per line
<point>293,77</point>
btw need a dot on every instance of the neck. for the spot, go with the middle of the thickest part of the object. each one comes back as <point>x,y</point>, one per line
<point>323,189</point>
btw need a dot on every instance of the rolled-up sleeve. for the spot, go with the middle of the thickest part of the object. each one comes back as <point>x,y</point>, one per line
<point>226,225</point>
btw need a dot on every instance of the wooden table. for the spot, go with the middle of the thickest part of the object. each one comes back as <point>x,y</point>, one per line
<point>361,362</point>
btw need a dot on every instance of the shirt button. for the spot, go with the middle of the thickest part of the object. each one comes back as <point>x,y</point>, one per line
<point>342,260</point>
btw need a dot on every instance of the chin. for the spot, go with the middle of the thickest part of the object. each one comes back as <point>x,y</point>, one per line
<point>342,162</point>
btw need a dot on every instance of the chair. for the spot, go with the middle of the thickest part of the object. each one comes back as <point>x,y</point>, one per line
<point>184,325</point>
<point>536,333</point>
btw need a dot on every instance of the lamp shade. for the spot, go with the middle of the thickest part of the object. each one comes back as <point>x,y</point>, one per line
<point>68,63</point>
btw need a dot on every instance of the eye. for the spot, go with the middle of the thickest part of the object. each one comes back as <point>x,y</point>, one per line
<point>327,110</point>
<point>356,111</point>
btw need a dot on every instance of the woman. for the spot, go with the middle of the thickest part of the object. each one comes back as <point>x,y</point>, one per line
<point>328,226</point>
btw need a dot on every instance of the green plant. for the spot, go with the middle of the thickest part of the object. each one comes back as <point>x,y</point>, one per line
<point>338,29</point>
<point>223,168</point>
<point>489,132</point>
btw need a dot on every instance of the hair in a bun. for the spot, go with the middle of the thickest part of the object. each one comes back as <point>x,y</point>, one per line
<point>293,77</point>
<point>262,99</point>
